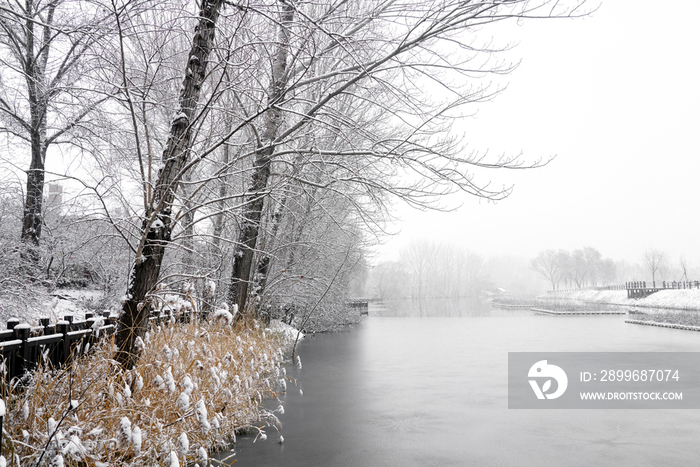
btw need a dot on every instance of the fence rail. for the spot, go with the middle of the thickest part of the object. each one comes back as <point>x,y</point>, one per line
<point>23,347</point>
<point>640,289</point>
<point>599,288</point>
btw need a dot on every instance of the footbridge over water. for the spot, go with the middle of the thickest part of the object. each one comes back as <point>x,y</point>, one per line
<point>361,303</point>
<point>640,289</point>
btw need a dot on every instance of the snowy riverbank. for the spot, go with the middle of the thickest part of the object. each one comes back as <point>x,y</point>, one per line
<point>677,309</point>
<point>677,299</point>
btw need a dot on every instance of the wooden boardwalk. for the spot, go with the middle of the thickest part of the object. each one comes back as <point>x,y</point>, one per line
<point>505,305</point>
<point>640,289</point>
<point>560,313</point>
<point>663,325</point>
<point>361,303</point>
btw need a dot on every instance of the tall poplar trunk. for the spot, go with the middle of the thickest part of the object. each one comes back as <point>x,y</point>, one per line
<point>36,56</point>
<point>157,224</point>
<point>33,205</point>
<point>187,225</point>
<point>263,269</point>
<point>255,200</point>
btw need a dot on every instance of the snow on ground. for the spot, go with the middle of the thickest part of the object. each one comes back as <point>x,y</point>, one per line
<point>53,305</point>
<point>37,302</point>
<point>71,302</point>
<point>685,299</point>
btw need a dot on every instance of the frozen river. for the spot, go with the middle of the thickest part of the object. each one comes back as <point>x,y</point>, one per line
<point>433,390</point>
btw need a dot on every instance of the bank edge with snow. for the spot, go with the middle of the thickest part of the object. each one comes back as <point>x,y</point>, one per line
<point>677,299</point>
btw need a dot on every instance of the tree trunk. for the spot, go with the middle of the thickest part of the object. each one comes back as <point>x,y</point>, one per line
<point>255,201</point>
<point>35,71</point>
<point>32,216</point>
<point>188,226</point>
<point>248,237</point>
<point>263,269</point>
<point>157,225</point>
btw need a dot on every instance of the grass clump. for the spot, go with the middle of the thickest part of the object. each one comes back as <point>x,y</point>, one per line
<point>196,385</point>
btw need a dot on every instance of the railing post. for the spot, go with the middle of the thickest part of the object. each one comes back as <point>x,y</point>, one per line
<point>62,328</point>
<point>3,407</point>
<point>22,332</point>
<point>12,322</point>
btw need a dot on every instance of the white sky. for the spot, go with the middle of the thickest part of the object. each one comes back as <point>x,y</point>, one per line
<point>616,97</point>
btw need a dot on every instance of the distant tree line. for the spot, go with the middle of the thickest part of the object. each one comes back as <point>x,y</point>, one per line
<point>430,269</point>
<point>576,269</point>
<point>587,268</point>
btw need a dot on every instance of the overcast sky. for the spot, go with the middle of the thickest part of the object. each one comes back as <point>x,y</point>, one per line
<point>615,97</point>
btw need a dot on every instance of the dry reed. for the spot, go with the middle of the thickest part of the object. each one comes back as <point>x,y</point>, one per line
<point>196,385</point>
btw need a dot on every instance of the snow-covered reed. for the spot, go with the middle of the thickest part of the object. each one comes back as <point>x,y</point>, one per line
<point>196,385</point>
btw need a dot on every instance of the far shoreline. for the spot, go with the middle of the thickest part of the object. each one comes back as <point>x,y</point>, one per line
<point>671,299</point>
<point>673,308</point>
